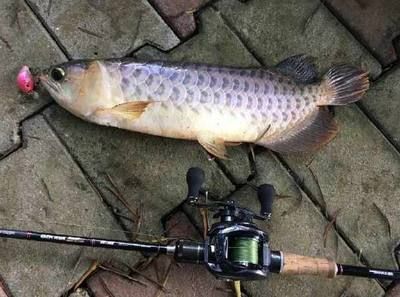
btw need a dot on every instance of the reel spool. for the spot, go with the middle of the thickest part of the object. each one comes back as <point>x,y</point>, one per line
<point>244,250</point>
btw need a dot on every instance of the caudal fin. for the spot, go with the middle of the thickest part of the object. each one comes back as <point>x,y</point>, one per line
<point>344,84</point>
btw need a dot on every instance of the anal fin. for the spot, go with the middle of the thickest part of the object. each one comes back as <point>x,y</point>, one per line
<point>310,134</point>
<point>215,146</point>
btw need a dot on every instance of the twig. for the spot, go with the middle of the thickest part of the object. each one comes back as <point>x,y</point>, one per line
<point>165,278</point>
<point>323,202</point>
<point>204,215</point>
<point>2,39</point>
<point>311,17</point>
<point>49,7</point>
<point>160,286</point>
<point>120,273</point>
<point>33,137</point>
<point>124,217</point>
<point>145,262</point>
<point>329,226</point>
<point>280,196</point>
<point>384,218</point>
<point>89,32</point>
<point>15,19</point>
<point>156,268</point>
<point>105,287</point>
<point>119,195</point>
<point>4,287</point>
<point>91,269</point>
<point>136,270</point>
<point>252,162</point>
<point>238,291</point>
<point>225,290</point>
<point>99,194</point>
<point>46,189</point>
<point>262,134</point>
<point>296,205</point>
<point>139,218</point>
<point>359,255</point>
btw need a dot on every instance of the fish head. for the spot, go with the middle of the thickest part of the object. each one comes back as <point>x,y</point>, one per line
<point>74,86</point>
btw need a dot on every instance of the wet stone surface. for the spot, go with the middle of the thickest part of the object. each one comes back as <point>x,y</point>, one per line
<point>147,170</point>
<point>382,103</point>
<point>180,14</point>
<point>20,34</point>
<point>44,185</point>
<point>312,29</point>
<point>358,173</point>
<point>214,44</point>
<point>42,189</point>
<point>297,226</point>
<point>104,28</point>
<point>184,279</point>
<point>375,22</point>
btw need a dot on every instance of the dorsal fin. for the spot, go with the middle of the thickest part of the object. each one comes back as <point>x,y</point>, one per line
<point>299,67</point>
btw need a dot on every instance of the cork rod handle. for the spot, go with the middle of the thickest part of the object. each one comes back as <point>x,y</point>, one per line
<point>295,264</point>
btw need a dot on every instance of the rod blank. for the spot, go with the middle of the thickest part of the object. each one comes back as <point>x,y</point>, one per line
<point>87,241</point>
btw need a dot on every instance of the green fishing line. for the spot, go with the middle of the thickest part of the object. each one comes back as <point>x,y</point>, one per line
<point>243,250</point>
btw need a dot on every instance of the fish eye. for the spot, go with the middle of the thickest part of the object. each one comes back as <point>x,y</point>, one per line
<point>57,74</point>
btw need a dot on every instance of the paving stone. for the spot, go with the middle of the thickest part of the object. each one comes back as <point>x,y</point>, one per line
<point>275,30</point>
<point>20,35</point>
<point>146,169</point>
<point>382,102</point>
<point>105,28</point>
<point>358,172</point>
<point>180,14</point>
<point>375,22</point>
<point>297,226</point>
<point>393,291</point>
<point>183,280</point>
<point>42,189</point>
<point>360,155</point>
<point>214,44</point>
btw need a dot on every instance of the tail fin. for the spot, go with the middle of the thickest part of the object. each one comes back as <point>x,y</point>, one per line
<point>344,84</point>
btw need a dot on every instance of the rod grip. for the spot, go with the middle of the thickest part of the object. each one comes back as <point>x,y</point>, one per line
<point>296,264</point>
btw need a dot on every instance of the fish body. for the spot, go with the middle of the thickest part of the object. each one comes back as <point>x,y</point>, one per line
<point>281,108</point>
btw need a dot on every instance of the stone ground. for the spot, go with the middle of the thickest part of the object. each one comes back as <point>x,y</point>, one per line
<point>57,171</point>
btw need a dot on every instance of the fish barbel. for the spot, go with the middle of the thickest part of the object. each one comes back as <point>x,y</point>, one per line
<point>282,108</point>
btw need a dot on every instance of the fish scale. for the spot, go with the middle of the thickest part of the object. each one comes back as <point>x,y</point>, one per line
<point>194,86</point>
<point>280,108</point>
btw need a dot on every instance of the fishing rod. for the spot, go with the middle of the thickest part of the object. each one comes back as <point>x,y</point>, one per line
<point>235,248</point>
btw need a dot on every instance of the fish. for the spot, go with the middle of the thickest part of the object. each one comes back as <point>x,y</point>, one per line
<point>283,108</point>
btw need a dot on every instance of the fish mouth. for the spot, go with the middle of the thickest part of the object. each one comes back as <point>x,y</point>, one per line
<point>51,86</point>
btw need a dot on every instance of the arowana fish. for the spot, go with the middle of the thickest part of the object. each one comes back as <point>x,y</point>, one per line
<point>283,108</point>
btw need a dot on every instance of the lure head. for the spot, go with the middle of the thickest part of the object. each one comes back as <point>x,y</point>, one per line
<point>25,80</point>
<point>77,86</point>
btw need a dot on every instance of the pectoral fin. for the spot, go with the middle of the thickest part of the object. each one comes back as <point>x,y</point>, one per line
<point>130,110</point>
<point>215,146</point>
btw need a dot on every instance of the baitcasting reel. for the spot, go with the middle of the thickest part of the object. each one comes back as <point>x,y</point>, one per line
<point>235,248</point>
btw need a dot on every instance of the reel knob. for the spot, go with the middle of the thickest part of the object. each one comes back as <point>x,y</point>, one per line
<point>195,178</point>
<point>266,194</point>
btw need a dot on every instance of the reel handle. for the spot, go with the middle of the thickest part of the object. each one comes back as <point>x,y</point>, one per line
<point>195,179</point>
<point>266,194</point>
